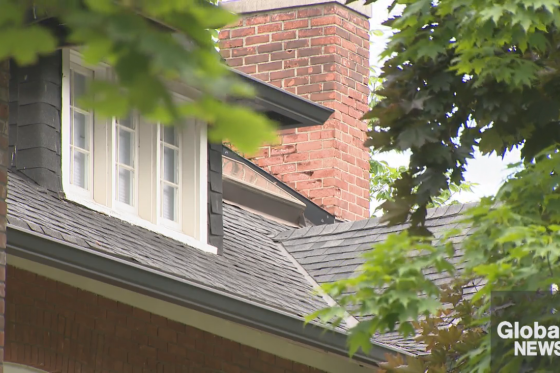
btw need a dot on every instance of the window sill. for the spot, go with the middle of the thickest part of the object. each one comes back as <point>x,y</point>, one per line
<point>135,220</point>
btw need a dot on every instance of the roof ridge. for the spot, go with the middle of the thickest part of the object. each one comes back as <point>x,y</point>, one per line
<point>350,226</point>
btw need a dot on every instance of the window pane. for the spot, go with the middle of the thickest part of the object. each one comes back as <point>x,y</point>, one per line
<point>168,135</point>
<point>170,165</point>
<point>78,86</point>
<point>126,147</point>
<point>126,122</point>
<point>80,169</point>
<point>80,131</point>
<point>168,202</point>
<point>125,185</point>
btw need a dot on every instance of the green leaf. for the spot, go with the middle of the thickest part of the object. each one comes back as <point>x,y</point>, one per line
<point>25,44</point>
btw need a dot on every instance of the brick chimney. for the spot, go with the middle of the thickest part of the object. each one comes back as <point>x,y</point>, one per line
<point>318,50</point>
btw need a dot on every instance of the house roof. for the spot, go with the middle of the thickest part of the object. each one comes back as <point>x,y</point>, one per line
<point>254,282</point>
<point>333,252</point>
<point>255,269</point>
<point>252,267</point>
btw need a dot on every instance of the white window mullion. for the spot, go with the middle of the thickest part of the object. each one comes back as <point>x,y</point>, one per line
<point>169,176</point>
<point>126,137</point>
<point>81,129</point>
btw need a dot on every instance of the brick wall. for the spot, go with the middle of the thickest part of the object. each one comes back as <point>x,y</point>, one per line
<point>319,52</point>
<point>59,328</point>
<point>4,164</point>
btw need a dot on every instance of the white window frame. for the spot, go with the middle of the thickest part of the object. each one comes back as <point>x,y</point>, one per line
<point>118,205</point>
<point>191,227</point>
<point>171,224</point>
<point>72,61</point>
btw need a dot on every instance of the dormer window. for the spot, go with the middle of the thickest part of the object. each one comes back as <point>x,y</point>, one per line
<point>145,173</point>
<point>81,128</point>
<point>125,162</point>
<point>170,167</point>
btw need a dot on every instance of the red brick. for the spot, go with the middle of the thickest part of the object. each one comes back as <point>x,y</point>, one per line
<point>300,23</point>
<point>231,43</point>
<point>242,32</point>
<point>294,44</point>
<point>235,62</point>
<point>257,20</point>
<point>323,78</point>
<point>225,53</point>
<point>326,20</point>
<point>262,76</point>
<point>295,176</point>
<point>309,145</point>
<point>310,165</point>
<point>302,80</point>
<point>239,52</point>
<point>309,89</point>
<point>270,161</point>
<point>272,47</point>
<point>284,168</point>
<point>308,70</point>
<point>324,192</point>
<point>248,69</point>
<point>283,16</point>
<point>284,55</point>
<point>323,96</point>
<point>272,27</point>
<point>285,35</point>
<point>311,32</point>
<point>296,158</point>
<point>297,62</point>
<point>330,66</point>
<point>282,74</point>
<point>306,52</point>
<point>291,139</point>
<point>324,153</point>
<point>259,39</point>
<point>326,40</point>
<point>283,149</point>
<point>270,66</point>
<point>252,60</point>
<point>328,59</point>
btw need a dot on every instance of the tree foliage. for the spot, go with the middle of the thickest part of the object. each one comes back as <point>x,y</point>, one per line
<point>148,43</point>
<point>459,75</point>
<point>382,177</point>
<point>513,245</point>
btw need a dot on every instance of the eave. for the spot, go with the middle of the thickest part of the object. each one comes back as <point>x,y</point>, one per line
<point>176,290</point>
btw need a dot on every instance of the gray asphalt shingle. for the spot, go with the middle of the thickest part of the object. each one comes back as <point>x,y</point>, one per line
<point>338,249</point>
<point>336,253</point>
<point>253,266</point>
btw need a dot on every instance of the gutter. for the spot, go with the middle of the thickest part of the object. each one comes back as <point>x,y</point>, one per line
<point>179,291</point>
<point>305,112</point>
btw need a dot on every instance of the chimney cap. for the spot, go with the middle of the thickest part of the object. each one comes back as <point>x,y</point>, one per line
<point>251,6</point>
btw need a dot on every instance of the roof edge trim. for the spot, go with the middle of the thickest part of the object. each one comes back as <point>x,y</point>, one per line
<point>307,113</point>
<point>134,277</point>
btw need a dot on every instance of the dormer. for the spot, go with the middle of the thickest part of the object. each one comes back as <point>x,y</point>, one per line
<point>165,179</point>
<point>140,171</point>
